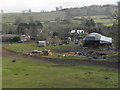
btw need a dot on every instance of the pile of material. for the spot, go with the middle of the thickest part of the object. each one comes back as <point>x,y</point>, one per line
<point>35,52</point>
<point>38,52</point>
<point>70,54</point>
<point>47,53</point>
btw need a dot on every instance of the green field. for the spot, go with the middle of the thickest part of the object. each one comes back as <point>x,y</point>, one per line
<point>106,22</point>
<point>26,73</point>
<point>9,18</point>
<point>36,74</point>
<point>27,47</point>
<point>100,19</point>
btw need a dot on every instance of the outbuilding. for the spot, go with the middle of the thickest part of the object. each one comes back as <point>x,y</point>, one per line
<point>43,43</point>
<point>6,37</point>
<point>96,39</point>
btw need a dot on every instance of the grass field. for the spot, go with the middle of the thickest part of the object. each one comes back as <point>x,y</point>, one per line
<point>27,47</point>
<point>34,74</point>
<point>106,22</point>
<point>94,17</point>
<point>11,17</point>
<point>100,19</point>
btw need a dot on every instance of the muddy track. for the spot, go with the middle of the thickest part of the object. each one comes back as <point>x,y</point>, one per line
<point>64,62</point>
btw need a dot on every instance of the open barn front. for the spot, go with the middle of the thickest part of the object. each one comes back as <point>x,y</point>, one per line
<point>91,43</point>
<point>96,40</point>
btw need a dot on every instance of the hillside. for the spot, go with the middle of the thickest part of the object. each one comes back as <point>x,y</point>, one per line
<point>57,19</point>
<point>106,10</point>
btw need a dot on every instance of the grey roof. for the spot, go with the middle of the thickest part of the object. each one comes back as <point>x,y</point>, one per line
<point>97,36</point>
<point>9,35</point>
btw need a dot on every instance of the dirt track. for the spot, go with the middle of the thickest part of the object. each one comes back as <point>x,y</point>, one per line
<point>64,62</point>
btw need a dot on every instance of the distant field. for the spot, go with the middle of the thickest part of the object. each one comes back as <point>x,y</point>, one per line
<point>106,20</point>
<point>94,17</point>
<point>77,21</point>
<point>11,17</point>
<point>26,73</point>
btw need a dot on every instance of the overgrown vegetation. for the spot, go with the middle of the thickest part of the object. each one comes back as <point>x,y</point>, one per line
<point>14,39</point>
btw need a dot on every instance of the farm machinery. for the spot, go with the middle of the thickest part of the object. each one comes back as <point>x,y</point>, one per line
<point>40,53</point>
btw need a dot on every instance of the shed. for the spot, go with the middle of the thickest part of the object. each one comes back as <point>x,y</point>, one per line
<point>80,31</point>
<point>25,38</point>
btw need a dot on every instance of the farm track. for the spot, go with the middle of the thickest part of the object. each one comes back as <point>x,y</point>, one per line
<point>60,62</point>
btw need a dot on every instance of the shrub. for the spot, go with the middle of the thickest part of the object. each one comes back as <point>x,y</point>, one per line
<point>14,39</point>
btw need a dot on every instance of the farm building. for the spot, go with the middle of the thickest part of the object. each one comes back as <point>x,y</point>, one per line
<point>43,43</point>
<point>77,31</point>
<point>6,37</point>
<point>72,31</point>
<point>80,31</point>
<point>24,38</point>
<point>96,39</point>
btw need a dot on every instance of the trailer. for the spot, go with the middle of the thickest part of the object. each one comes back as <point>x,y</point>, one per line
<point>43,43</point>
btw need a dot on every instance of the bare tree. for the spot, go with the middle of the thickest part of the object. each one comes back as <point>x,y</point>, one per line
<point>23,12</point>
<point>42,11</point>
<point>57,8</point>
<point>29,11</point>
<point>60,7</point>
<point>2,11</point>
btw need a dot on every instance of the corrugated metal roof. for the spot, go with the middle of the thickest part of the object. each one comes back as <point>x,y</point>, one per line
<point>9,35</point>
<point>97,36</point>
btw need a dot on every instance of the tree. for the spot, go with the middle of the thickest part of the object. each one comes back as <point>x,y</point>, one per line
<point>31,29</point>
<point>39,24</point>
<point>8,29</point>
<point>29,11</point>
<point>23,12</point>
<point>60,7</point>
<point>68,17</point>
<point>55,34</point>
<point>14,39</point>
<point>2,11</point>
<point>18,20</point>
<point>57,19</point>
<point>92,22</point>
<point>31,19</point>
<point>87,23</point>
<point>57,8</point>
<point>42,11</point>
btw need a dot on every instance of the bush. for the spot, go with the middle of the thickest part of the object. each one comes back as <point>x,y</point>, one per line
<point>82,36</point>
<point>14,39</point>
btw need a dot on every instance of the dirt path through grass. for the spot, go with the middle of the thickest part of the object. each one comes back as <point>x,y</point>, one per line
<point>66,62</point>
